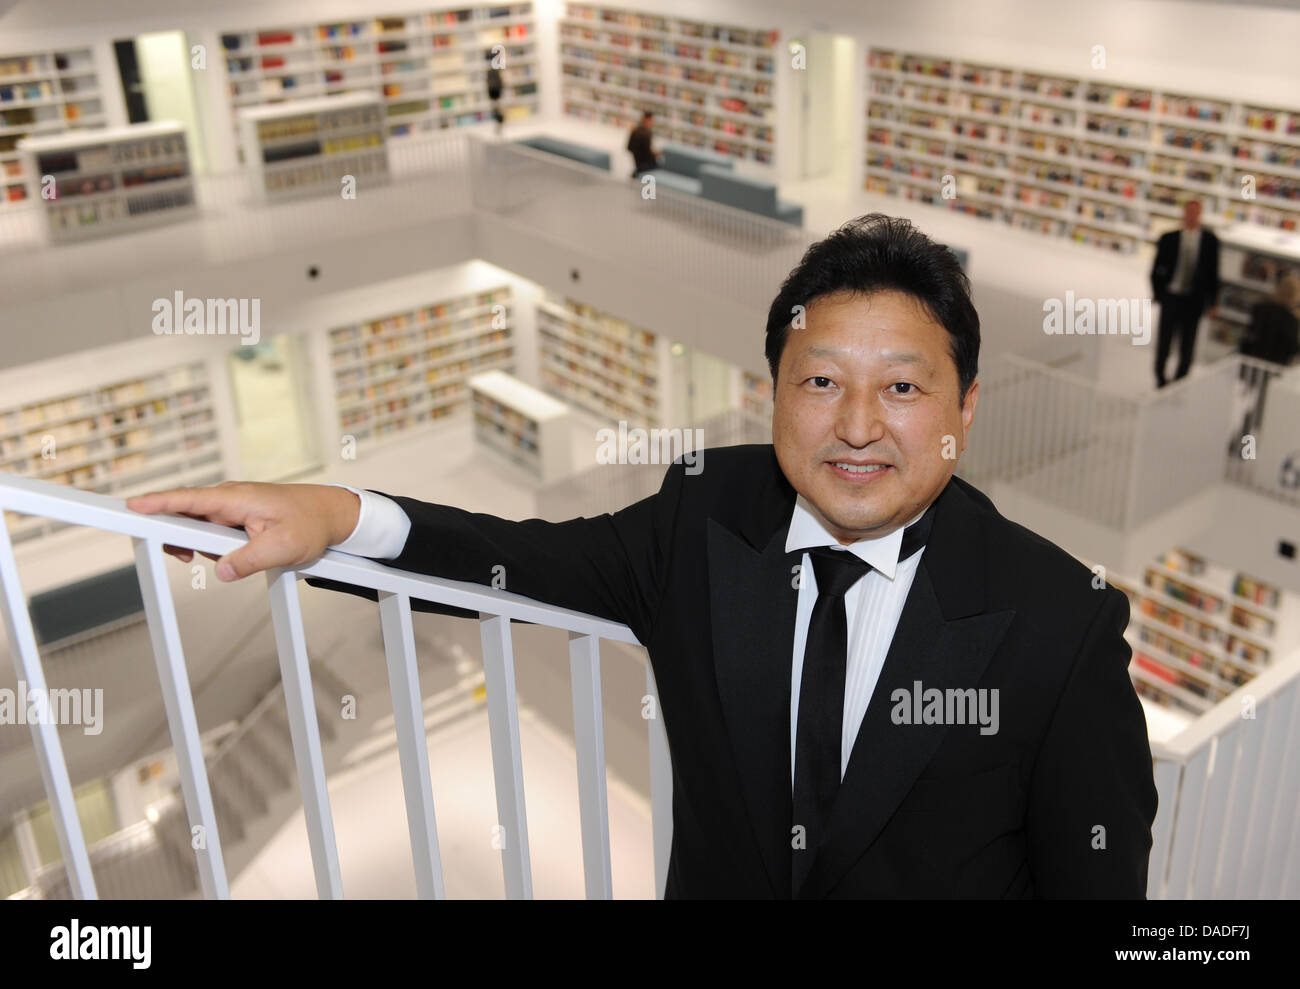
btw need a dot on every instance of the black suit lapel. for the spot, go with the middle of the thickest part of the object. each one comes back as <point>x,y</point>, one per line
<point>753,612</point>
<point>945,640</point>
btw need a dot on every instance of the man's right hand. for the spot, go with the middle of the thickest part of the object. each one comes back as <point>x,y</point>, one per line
<point>287,524</point>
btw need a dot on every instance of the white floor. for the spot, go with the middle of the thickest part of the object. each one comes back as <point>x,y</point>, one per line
<point>374,844</point>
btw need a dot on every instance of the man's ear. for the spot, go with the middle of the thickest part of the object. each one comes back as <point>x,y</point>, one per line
<point>968,410</point>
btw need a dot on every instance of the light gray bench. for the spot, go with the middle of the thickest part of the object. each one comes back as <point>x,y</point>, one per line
<point>681,167</point>
<point>567,149</point>
<point>722,185</point>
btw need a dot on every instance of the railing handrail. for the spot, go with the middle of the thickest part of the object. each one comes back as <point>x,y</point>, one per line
<point>76,507</point>
<point>1145,398</point>
<point>1212,723</point>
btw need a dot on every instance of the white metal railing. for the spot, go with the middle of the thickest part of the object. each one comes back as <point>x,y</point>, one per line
<point>396,589</point>
<point>1228,823</point>
<point>1116,459</point>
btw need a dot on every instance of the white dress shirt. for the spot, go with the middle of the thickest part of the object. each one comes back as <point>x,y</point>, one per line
<point>1189,248</point>
<point>381,529</point>
<point>872,605</point>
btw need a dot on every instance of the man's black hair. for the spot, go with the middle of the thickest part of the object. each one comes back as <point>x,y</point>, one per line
<point>877,253</point>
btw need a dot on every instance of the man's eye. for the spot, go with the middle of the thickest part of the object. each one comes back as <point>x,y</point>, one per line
<point>820,381</point>
<point>903,384</point>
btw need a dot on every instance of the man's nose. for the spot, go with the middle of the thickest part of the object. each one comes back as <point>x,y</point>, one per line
<point>859,421</point>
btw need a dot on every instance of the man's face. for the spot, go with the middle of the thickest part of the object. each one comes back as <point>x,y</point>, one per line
<point>868,380</point>
<point>1191,214</point>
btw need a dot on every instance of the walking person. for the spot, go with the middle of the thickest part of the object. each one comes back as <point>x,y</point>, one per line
<point>494,87</point>
<point>639,142</point>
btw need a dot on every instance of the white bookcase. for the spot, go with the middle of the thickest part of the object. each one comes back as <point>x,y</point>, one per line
<point>1251,258</point>
<point>711,85</point>
<point>43,93</point>
<point>752,395</point>
<point>306,148</point>
<point>600,363</point>
<point>1103,164</point>
<point>522,424</point>
<point>429,69</point>
<point>1200,630</point>
<point>111,181</point>
<point>123,437</point>
<point>407,369</point>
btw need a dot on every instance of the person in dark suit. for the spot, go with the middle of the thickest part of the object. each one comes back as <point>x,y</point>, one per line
<point>640,142</point>
<point>1185,282</point>
<point>873,684</point>
<point>1273,335</point>
<point>494,87</point>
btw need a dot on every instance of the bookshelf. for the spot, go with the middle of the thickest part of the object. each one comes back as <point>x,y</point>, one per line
<point>522,424</point>
<point>306,148</point>
<point>752,394</point>
<point>1200,630</point>
<point>112,181</point>
<point>710,85</point>
<point>120,438</point>
<point>405,370</point>
<point>43,93</point>
<point>1104,165</point>
<point>601,363</point>
<point>428,69</point>
<point>1251,259</point>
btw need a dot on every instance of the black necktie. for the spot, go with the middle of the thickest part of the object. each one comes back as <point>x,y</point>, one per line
<point>820,725</point>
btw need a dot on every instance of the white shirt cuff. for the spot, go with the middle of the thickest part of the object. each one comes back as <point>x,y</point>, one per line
<point>381,530</point>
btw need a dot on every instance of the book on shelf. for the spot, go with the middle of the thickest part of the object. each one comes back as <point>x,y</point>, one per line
<point>1081,120</point>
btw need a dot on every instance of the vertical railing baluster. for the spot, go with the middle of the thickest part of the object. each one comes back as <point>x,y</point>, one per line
<point>589,740</point>
<point>45,736</point>
<point>661,785</point>
<point>1210,846</point>
<point>300,705</point>
<point>1287,812</point>
<point>1187,828</point>
<point>1167,775</point>
<point>1241,804</point>
<point>412,743</point>
<point>1266,793</point>
<point>183,724</point>
<point>507,760</point>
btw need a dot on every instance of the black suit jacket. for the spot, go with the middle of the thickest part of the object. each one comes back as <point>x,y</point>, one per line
<point>700,574</point>
<point>1205,281</point>
<point>1273,333</point>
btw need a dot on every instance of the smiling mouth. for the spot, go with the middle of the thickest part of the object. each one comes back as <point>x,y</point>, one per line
<point>850,469</point>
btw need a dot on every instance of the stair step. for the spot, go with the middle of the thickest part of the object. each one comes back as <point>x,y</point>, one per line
<point>271,767</point>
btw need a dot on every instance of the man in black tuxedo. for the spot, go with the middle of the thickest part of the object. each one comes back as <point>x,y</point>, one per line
<point>873,684</point>
<point>1185,282</point>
